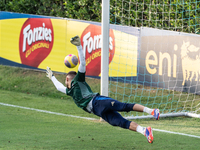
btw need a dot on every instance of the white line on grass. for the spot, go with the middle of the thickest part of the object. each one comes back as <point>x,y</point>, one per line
<point>60,114</point>
<point>48,112</point>
<point>176,133</point>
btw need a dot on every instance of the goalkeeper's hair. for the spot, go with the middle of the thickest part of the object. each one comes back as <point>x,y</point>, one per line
<point>71,74</point>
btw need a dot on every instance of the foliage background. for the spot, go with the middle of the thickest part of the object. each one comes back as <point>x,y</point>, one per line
<point>176,15</point>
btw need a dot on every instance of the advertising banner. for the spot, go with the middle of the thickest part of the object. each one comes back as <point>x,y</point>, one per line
<point>170,60</point>
<point>36,42</point>
<point>152,57</point>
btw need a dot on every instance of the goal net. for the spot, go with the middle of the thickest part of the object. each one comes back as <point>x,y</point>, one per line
<point>161,68</point>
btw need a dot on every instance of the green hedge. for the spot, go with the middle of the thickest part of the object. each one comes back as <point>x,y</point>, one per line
<point>174,15</point>
<point>82,9</point>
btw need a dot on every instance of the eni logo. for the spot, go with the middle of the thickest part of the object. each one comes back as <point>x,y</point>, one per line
<point>190,61</point>
<point>189,56</point>
<point>154,63</point>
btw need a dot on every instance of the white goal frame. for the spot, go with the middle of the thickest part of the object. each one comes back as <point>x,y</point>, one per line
<point>105,26</point>
<point>105,23</point>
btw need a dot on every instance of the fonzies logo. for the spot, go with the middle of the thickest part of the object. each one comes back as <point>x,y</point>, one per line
<point>36,41</point>
<point>91,40</point>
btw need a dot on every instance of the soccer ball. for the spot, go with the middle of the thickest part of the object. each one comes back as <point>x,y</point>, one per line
<point>71,61</point>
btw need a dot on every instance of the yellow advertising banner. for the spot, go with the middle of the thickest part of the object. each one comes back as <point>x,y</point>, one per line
<point>41,42</point>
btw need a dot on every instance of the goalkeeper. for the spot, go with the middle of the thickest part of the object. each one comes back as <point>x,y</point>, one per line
<point>104,107</point>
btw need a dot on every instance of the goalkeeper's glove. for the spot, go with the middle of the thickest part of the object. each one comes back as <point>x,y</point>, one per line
<point>76,41</point>
<point>49,73</point>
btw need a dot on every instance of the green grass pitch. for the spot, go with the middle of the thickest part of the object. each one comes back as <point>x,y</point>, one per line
<point>29,129</point>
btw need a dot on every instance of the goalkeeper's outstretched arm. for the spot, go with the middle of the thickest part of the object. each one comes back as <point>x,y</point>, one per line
<point>76,41</point>
<point>59,86</point>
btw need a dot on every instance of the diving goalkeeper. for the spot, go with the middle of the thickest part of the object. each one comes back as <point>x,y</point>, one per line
<point>102,106</point>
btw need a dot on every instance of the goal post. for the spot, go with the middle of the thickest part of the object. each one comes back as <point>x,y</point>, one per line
<point>105,46</point>
<point>161,70</point>
<point>105,26</point>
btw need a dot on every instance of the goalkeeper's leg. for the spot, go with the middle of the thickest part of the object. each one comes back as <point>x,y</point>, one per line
<point>103,103</point>
<point>153,112</point>
<point>115,119</point>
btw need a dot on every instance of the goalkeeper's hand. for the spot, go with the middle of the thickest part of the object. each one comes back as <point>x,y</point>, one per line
<point>49,73</point>
<point>76,41</point>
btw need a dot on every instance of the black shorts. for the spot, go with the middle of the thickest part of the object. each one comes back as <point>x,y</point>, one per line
<point>107,108</point>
